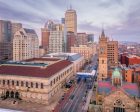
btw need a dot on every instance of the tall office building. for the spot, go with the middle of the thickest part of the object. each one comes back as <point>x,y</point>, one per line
<point>5,40</point>
<point>25,45</point>
<point>71,20</point>
<point>112,52</point>
<point>103,62</point>
<point>56,39</point>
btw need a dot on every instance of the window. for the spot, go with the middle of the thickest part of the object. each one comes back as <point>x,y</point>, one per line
<point>59,77</point>
<point>31,84</point>
<point>12,82</point>
<point>41,85</point>
<point>54,81</point>
<point>102,61</point>
<point>3,82</point>
<point>8,82</point>
<point>26,84</point>
<point>22,84</point>
<point>36,85</point>
<point>51,83</point>
<point>17,83</point>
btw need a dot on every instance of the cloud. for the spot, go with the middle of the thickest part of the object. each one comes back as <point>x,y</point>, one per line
<point>121,18</point>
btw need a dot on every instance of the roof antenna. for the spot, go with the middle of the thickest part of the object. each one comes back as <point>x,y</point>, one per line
<point>103,34</point>
<point>70,7</point>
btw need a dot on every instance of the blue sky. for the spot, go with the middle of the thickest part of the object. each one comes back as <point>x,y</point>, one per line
<point>121,18</point>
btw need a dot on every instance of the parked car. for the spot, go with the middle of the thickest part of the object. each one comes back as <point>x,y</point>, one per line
<point>71,97</point>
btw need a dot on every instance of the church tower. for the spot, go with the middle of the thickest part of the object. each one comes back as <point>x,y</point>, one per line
<point>103,65</point>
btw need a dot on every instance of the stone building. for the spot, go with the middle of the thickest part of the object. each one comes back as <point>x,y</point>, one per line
<point>25,44</point>
<point>37,80</point>
<point>117,96</point>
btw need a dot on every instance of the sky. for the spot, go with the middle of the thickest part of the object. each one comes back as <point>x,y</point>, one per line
<point>120,18</point>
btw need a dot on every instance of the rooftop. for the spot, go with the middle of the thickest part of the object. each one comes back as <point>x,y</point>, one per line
<point>68,56</point>
<point>42,59</point>
<point>129,88</point>
<point>30,31</point>
<point>31,71</point>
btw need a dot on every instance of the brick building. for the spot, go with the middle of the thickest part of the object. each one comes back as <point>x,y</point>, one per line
<point>71,40</point>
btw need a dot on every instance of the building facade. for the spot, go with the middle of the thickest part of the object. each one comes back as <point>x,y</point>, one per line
<point>71,20</point>
<point>84,50</point>
<point>71,40</point>
<point>25,45</point>
<point>112,53</point>
<point>82,39</point>
<point>56,39</point>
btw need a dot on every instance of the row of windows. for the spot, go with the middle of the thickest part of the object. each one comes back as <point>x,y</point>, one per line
<point>60,76</point>
<point>22,83</point>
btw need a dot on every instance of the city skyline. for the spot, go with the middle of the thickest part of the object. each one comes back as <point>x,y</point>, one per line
<point>120,18</point>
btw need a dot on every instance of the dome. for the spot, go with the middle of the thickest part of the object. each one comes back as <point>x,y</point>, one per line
<point>116,73</point>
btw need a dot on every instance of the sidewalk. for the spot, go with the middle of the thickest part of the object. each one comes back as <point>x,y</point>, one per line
<point>90,93</point>
<point>62,102</point>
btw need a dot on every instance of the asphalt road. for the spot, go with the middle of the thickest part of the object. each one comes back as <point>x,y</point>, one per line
<point>78,96</point>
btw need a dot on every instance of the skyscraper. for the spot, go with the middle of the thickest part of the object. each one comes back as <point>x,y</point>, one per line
<point>25,45</point>
<point>56,39</point>
<point>103,64</point>
<point>71,20</point>
<point>5,40</point>
<point>15,28</point>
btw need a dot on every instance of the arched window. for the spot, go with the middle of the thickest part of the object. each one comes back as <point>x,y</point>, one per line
<point>12,82</point>
<point>51,83</point>
<point>54,81</point>
<point>119,106</point>
<point>26,84</point>
<point>22,84</point>
<point>17,83</point>
<point>8,82</point>
<point>36,85</point>
<point>42,86</point>
<point>31,84</point>
<point>3,82</point>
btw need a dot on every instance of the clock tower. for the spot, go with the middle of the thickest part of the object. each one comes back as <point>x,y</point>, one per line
<point>103,65</point>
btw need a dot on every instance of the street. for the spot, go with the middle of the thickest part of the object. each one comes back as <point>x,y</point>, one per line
<point>78,97</point>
